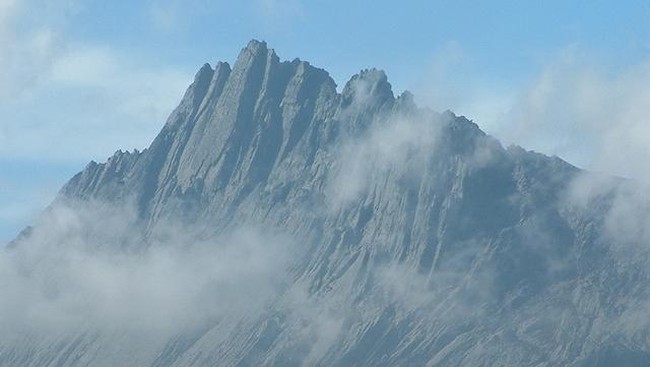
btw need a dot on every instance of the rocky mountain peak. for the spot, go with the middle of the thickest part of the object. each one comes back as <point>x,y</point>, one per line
<point>416,239</point>
<point>369,84</point>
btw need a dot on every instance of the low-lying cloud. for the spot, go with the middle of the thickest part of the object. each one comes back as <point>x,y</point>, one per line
<point>86,268</point>
<point>394,144</point>
<point>580,112</point>
<point>573,107</point>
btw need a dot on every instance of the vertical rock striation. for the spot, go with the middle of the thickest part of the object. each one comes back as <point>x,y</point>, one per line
<point>423,240</point>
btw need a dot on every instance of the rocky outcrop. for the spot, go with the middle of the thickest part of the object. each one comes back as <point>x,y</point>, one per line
<point>424,239</point>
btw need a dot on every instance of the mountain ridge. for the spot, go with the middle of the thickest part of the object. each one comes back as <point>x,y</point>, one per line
<point>398,235</point>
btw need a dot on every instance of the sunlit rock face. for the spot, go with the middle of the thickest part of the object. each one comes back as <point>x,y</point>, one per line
<point>277,222</point>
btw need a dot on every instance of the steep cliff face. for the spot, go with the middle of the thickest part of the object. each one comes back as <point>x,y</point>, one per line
<point>418,239</point>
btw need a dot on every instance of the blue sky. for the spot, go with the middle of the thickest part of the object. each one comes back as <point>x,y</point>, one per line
<point>80,79</point>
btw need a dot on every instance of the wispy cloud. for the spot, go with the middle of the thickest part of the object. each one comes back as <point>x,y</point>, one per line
<point>93,100</point>
<point>573,107</point>
<point>393,140</point>
<point>398,142</point>
<point>79,89</point>
<point>131,89</point>
<point>24,51</point>
<point>453,81</point>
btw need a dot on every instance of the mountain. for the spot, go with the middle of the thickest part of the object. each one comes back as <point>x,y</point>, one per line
<point>277,222</point>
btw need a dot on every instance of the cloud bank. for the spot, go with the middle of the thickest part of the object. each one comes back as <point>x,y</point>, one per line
<point>573,106</point>
<point>86,268</point>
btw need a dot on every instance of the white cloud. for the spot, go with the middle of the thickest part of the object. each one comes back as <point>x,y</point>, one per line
<point>89,98</point>
<point>453,82</point>
<point>134,90</point>
<point>576,109</point>
<point>617,212</point>
<point>86,268</point>
<point>439,88</point>
<point>624,206</point>
<point>31,34</point>
<point>92,101</point>
<point>398,141</point>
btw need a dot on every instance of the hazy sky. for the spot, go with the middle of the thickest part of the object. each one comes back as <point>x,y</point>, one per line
<point>80,79</point>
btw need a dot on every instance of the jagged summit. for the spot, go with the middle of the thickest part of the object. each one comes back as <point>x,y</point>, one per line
<point>256,57</point>
<point>369,83</point>
<point>256,45</point>
<point>235,126</point>
<point>238,130</point>
<point>406,238</point>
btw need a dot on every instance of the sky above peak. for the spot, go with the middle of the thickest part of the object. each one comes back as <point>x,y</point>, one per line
<point>80,79</point>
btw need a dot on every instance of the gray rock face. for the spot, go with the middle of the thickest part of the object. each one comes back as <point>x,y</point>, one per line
<point>420,240</point>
